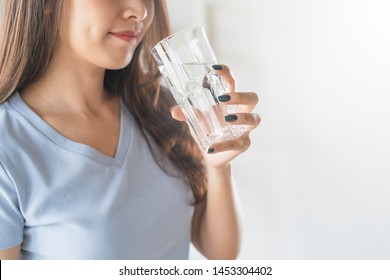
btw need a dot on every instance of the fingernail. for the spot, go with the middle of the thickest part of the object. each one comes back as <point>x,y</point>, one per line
<point>224,98</point>
<point>217,67</point>
<point>211,150</point>
<point>230,118</point>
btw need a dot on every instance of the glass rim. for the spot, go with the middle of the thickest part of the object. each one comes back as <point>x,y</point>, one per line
<point>177,33</point>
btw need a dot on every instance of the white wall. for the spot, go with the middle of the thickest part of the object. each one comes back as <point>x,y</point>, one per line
<point>316,182</point>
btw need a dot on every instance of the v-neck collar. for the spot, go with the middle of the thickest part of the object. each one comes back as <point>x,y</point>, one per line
<point>123,143</point>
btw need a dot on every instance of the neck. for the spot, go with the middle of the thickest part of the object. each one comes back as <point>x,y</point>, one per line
<point>78,89</point>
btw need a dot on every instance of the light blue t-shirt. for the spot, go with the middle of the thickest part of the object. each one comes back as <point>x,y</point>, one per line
<point>65,200</point>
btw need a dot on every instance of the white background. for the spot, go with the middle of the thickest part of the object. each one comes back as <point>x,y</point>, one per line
<point>316,182</point>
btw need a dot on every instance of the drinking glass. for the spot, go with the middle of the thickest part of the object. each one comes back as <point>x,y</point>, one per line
<point>185,60</point>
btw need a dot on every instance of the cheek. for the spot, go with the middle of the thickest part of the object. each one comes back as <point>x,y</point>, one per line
<point>82,20</point>
<point>149,19</point>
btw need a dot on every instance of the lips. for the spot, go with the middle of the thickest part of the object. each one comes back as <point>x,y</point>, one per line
<point>127,36</point>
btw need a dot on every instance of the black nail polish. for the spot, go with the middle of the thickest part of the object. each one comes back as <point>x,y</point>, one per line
<point>217,67</point>
<point>224,98</point>
<point>211,150</point>
<point>230,118</point>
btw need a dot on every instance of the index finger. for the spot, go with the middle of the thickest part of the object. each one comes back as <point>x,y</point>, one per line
<point>225,73</point>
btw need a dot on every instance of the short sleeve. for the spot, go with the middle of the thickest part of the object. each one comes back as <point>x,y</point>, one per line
<point>11,219</point>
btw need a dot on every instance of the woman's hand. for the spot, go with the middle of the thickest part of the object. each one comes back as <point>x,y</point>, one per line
<point>220,154</point>
<point>216,230</point>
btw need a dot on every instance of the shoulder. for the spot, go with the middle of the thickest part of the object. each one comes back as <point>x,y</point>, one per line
<point>7,115</point>
<point>4,107</point>
<point>11,129</point>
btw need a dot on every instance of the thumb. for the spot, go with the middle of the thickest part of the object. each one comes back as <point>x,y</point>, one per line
<point>177,113</point>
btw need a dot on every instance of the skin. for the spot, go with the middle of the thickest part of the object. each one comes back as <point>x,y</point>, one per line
<point>71,98</point>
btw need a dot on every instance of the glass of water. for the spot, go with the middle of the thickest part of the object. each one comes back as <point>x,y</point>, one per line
<point>185,60</point>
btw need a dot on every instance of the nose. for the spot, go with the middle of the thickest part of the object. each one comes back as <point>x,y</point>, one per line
<point>136,10</point>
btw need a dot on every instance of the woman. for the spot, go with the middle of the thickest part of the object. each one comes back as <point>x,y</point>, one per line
<point>92,164</point>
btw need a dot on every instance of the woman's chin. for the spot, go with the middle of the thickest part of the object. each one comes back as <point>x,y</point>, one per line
<point>116,67</point>
<point>118,64</point>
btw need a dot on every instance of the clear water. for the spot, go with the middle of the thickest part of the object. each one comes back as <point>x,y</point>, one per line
<point>196,88</point>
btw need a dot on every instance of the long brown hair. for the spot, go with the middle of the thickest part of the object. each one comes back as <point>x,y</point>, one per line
<point>28,40</point>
